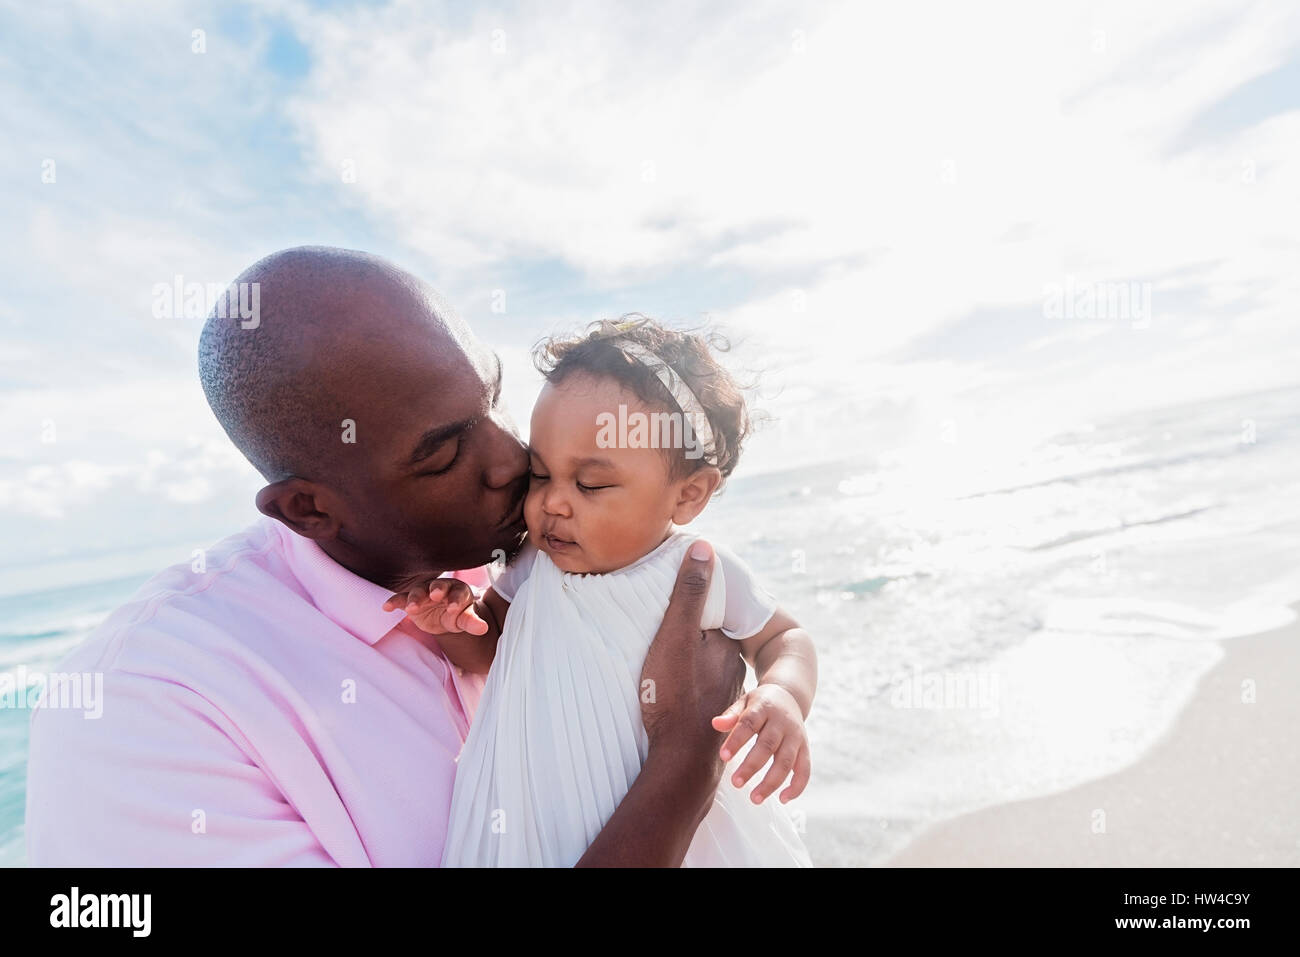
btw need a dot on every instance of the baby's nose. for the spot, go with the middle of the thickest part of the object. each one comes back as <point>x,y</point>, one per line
<point>554,503</point>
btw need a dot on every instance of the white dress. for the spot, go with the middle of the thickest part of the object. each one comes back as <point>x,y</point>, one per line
<point>557,737</point>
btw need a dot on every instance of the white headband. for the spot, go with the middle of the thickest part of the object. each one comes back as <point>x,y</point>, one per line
<point>693,413</point>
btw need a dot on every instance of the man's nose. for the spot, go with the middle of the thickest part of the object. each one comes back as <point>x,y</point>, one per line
<point>507,455</point>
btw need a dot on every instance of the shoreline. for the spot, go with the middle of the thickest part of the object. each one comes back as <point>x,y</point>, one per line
<point>1220,789</point>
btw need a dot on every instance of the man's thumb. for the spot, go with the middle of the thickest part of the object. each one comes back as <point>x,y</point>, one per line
<point>692,587</point>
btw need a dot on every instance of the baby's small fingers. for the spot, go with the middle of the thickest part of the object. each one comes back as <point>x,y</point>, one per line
<point>727,720</point>
<point>448,617</point>
<point>766,745</point>
<point>802,774</point>
<point>736,708</point>
<point>454,589</point>
<point>456,601</point>
<point>395,601</point>
<point>748,725</point>
<point>782,764</point>
<point>469,621</point>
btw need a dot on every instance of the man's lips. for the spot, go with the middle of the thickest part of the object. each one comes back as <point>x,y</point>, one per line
<point>516,514</point>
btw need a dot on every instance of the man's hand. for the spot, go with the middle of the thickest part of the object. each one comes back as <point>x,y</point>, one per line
<point>689,675</point>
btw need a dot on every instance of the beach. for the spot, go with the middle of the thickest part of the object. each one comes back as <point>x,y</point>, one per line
<point>1002,650</point>
<point>1221,789</point>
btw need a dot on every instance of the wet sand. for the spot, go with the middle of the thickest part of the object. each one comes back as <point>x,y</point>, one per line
<point>1220,789</point>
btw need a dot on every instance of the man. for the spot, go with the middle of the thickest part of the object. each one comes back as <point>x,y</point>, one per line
<point>265,710</point>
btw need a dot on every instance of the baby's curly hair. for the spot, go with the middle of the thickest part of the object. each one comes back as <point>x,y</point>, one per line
<point>688,354</point>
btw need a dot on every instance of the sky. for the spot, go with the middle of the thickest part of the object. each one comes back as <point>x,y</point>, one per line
<point>883,205</point>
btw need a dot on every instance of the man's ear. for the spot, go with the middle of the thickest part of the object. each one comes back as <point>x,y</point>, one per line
<point>306,507</point>
<point>694,493</point>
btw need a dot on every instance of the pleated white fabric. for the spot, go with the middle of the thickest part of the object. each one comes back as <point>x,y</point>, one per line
<point>557,737</point>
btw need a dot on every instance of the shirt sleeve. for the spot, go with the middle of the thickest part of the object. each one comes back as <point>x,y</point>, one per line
<point>154,781</point>
<point>507,580</point>
<point>749,606</point>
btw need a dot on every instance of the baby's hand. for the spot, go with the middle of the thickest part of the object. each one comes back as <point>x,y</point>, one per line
<point>773,714</point>
<point>443,607</point>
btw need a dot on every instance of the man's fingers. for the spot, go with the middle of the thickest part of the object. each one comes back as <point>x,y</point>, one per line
<point>802,773</point>
<point>686,606</point>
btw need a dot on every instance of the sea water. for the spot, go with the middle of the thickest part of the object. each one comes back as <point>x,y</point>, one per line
<point>989,626</point>
<point>993,627</point>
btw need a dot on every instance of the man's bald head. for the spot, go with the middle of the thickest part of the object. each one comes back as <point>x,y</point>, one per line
<point>429,475</point>
<point>275,386</point>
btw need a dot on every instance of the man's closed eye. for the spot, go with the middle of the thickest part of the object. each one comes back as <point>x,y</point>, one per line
<point>443,459</point>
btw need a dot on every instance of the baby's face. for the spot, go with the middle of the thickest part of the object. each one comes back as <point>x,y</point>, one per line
<point>595,509</point>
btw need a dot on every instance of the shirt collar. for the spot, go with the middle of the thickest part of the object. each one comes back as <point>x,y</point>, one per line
<point>350,601</point>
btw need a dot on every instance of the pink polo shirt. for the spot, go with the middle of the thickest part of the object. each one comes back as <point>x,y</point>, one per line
<point>264,712</point>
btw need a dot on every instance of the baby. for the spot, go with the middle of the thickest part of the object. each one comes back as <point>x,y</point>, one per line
<point>635,430</point>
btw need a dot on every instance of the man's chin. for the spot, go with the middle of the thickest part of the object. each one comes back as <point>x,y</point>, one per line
<point>512,547</point>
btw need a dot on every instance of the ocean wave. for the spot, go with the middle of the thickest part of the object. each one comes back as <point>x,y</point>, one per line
<point>1141,618</point>
<point>78,623</point>
<point>1152,463</point>
<point>1085,533</point>
<point>40,653</point>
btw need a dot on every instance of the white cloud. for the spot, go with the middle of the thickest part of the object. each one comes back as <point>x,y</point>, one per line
<point>930,160</point>
<point>840,182</point>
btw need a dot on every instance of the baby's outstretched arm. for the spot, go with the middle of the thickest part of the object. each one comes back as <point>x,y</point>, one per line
<point>785,661</point>
<point>467,630</point>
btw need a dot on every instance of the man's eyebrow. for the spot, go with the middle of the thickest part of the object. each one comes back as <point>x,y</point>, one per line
<point>496,385</point>
<point>429,442</point>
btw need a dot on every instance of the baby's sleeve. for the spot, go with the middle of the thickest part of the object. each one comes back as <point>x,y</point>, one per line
<point>748,605</point>
<point>507,580</point>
